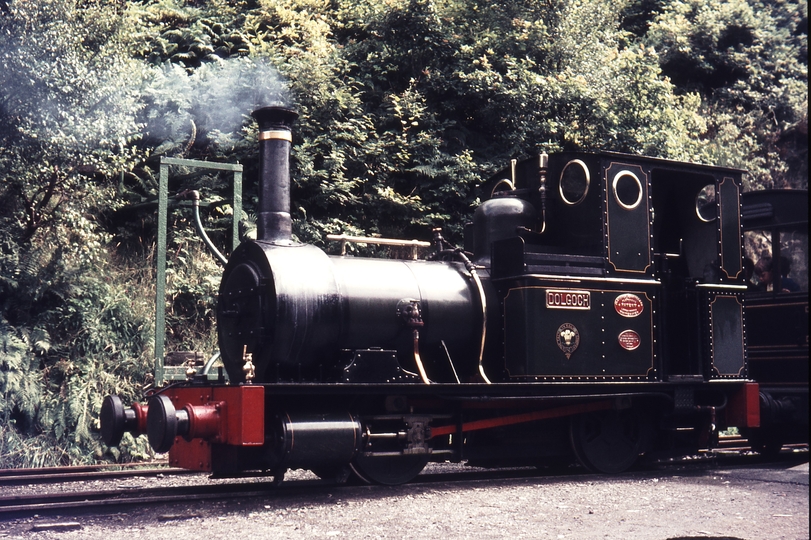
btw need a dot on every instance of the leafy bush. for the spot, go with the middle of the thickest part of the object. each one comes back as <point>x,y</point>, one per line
<point>748,60</point>
<point>53,380</point>
<point>67,329</point>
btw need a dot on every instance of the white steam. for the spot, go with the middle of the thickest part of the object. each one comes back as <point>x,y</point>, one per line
<point>216,98</point>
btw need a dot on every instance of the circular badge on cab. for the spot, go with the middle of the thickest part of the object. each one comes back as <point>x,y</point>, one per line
<point>629,340</point>
<point>628,305</point>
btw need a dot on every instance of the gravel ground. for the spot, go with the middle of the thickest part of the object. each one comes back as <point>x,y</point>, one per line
<point>752,502</point>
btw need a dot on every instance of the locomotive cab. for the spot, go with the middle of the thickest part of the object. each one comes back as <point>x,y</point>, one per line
<point>620,244</point>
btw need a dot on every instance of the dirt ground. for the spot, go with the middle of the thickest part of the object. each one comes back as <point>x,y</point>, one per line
<point>766,502</point>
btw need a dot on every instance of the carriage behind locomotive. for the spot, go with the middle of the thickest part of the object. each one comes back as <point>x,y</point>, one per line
<point>776,241</point>
<point>596,311</point>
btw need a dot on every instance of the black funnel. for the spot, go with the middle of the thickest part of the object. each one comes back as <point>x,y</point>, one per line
<point>275,139</point>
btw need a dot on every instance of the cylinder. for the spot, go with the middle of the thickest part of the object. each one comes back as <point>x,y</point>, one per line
<point>315,440</point>
<point>373,288</point>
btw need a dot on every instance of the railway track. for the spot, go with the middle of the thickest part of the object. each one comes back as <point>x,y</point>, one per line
<point>731,451</point>
<point>100,500</point>
<point>736,443</point>
<point>110,500</point>
<point>84,473</point>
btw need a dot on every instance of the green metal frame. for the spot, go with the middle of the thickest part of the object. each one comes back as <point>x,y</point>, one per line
<point>162,372</point>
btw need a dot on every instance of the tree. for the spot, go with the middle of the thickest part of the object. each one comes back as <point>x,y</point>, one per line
<point>748,60</point>
<point>67,120</point>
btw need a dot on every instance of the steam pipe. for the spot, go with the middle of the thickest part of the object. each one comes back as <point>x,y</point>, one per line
<point>198,223</point>
<point>275,140</point>
<point>543,164</point>
<point>439,242</point>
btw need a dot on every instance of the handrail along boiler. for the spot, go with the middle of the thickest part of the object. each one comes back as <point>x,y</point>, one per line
<point>596,311</point>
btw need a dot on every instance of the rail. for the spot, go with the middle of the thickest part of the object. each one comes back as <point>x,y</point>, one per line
<point>72,503</point>
<point>56,475</point>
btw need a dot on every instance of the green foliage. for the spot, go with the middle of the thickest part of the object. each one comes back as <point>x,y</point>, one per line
<point>69,102</point>
<point>433,93</point>
<point>21,395</point>
<point>192,281</point>
<point>749,62</point>
<point>67,123</point>
<point>89,339</point>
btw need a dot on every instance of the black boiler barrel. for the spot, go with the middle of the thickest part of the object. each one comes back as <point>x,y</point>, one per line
<point>296,309</point>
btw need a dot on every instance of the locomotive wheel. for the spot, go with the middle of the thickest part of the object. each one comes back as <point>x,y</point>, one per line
<point>609,441</point>
<point>388,470</point>
<point>768,449</point>
<point>339,475</point>
<point>766,442</point>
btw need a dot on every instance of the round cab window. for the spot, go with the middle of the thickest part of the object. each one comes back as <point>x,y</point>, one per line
<point>574,182</point>
<point>627,190</point>
<point>706,205</point>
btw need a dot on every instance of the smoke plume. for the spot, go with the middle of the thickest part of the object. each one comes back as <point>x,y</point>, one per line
<point>216,99</point>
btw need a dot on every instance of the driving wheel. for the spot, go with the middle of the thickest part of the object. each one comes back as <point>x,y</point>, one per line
<point>388,470</point>
<point>609,441</point>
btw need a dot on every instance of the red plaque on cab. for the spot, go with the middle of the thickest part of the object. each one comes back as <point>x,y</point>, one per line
<point>629,340</point>
<point>628,305</point>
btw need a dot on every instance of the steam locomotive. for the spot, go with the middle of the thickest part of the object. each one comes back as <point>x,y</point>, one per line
<point>595,312</point>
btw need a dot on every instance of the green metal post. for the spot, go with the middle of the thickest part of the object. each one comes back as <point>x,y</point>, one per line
<point>160,288</point>
<point>237,208</point>
<point>163,210</point>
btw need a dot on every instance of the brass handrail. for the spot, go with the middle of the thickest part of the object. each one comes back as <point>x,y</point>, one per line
<point>345,239</point>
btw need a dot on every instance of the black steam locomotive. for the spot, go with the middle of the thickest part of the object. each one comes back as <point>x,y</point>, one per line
<point>596,311</point>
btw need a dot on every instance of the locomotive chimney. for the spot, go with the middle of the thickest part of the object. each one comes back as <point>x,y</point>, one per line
<point>275,139</point>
